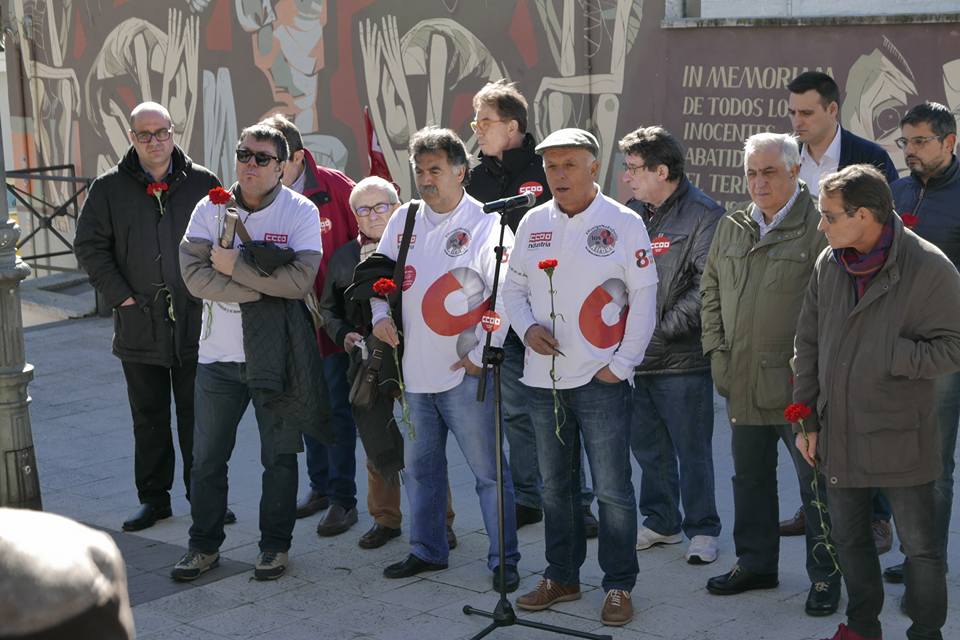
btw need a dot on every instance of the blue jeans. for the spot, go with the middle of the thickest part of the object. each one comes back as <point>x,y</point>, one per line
<point>673,422</point>
<point>519,430</point>
<point>599,414</point>
<point>948,417</point>
<point>434,415</point>
<point>221,398</point>
<point>333,468</point>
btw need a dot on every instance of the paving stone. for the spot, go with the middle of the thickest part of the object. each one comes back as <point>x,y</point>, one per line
<point>244,621</point>
<point>424,595</point>
<point>193,603</point>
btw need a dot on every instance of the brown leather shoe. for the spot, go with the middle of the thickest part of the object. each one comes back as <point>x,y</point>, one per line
<point>795,526</point>
<point>336,520</point>
<point>547,594</point>
<point>377,536</point>
<point>882,536</point>
<point>617,608</point>
<point>311,504</point>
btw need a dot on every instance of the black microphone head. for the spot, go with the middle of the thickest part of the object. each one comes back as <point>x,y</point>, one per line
<point>531,199</point>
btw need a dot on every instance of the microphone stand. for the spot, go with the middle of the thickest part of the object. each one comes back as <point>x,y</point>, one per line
<point>503,614</point>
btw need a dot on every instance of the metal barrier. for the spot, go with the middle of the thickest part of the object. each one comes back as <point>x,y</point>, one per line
<point>42,221</point>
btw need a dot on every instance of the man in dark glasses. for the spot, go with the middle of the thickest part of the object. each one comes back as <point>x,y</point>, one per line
<point>231,370</point>
<point>127,242</point>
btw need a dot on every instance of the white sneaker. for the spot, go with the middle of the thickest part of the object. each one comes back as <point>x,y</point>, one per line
<point>702,550</point>
<point>647,538</point>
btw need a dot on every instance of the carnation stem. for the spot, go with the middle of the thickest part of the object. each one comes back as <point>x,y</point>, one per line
<point>553,358</point>
<point>824,537</point>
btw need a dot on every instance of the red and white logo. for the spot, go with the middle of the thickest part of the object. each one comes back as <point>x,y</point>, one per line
<point>413,239</point>
<point>490,321</point>
<point>326,225</point>
<point>409,277</point>
<point>603,316</point>
<point>531,187</point>
<point>540,239</point>
<point>279,238</point>
<point>660,245</point>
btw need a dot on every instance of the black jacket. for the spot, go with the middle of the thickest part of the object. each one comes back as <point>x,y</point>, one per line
<point>857,150</point>
<point>936,205</point>
<point>129,250</point>
<point>341,314</point>
<point>520,170</point>
<point>680,230</point>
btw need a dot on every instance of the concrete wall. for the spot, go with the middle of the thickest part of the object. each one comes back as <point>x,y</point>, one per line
<point>818,8</point>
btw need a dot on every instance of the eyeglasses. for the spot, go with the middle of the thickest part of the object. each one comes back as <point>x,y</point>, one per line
<point>263,159</point>
<point>917,141</point>
<point>483,125</point>
<point>379,208</point>
<point>162,135</point>
<point>633,170</point>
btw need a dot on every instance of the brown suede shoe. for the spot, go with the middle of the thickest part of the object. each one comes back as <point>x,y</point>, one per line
<point>311,503</point>
<point>547,594</point>
<point>795,526</point>
<point>882,536</point>
<point>617,608</point>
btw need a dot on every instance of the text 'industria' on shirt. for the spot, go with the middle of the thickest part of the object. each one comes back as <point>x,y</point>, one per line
<point>605,285</point>
<point>447,284</point>
<point>289,221</point>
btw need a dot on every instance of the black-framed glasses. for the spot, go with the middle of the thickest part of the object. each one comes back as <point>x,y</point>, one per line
<point>380,208</point>
<point>633,170</point>
<point>162,135</point>
<point>262,159</point>
<point>917,141</point>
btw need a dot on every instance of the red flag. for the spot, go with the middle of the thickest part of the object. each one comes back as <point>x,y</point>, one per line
<point>378,163</point>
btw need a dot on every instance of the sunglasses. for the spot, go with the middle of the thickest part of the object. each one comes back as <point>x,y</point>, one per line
<point>262,159</point>
<point>162,135</point>
<point>380,208</point>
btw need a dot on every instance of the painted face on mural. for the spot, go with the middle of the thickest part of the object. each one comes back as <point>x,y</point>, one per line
<point>256,181</point>
<point>571,173</point>
<point>926,154</point>
<point>439,182</point>
<point>812,123</point>
<point>368,202</point>
<point>154,152</point>
<point>770,183</point>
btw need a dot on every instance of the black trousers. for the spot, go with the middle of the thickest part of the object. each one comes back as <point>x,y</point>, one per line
<point>756,532</point>
<point>148,388</point>
<point>924,573</point>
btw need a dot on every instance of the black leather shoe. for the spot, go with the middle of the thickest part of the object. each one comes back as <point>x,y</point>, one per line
<point>528,515</point>
<point>823,598</point>
<point>146,516</point>
<point>311,504</point>
<point>229,517</point>
<point>739,580</point>
<point>377,536</point>
<point>336,520</point>
<point>410,567</point>
<point>590,525</point>
<point>511,579</point>
<point>893,574</point>
<point>451,538</point>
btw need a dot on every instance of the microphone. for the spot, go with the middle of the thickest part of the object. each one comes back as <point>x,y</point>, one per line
<point>525,199</point>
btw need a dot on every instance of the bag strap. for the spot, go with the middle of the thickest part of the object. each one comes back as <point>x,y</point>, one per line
<point>405,244</point>
<point>242,231</point>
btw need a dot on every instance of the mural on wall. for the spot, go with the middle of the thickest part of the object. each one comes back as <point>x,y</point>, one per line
<point>77,67</point>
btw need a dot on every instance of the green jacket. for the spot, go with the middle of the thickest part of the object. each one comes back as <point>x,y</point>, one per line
<point>752,292</point>
<point>870,367</point>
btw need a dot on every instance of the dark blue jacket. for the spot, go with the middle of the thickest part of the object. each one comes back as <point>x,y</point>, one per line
<point>936,205</point>
<point>857,150</point>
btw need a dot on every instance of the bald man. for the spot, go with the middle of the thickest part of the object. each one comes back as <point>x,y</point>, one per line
<point>127,241</point>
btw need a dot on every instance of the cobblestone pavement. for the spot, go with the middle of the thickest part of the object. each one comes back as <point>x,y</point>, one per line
<point>334,589</point>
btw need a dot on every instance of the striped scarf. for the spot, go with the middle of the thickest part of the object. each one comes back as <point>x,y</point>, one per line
<point>864,267</point>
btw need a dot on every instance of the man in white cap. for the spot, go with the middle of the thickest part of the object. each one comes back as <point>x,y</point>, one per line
<point>585,329</point>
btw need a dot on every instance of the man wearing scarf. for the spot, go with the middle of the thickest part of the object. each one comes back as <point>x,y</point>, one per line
<point>880,323</point>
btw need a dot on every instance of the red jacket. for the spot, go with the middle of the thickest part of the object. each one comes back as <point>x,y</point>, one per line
<point>329,190</point>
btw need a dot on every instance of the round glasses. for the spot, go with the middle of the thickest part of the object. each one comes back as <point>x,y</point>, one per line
<point>262,159</point>
<point>380,208</point>
<point>162,135</point>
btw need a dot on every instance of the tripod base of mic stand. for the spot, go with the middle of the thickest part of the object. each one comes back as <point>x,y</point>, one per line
<point>504,616</point>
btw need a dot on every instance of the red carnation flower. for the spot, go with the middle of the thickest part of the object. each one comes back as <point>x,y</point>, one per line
<point>219,195</point>
<point>384,287</point>
<point>910,220</point>
<point>797,412</point>
<point>156,188</point>
<point>550,263</point>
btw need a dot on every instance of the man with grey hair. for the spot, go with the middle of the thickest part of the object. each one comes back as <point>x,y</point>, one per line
<point>127,239</point>
<point>760,260</point>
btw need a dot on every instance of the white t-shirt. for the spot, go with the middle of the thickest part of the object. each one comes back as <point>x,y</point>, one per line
<point>447,284</point>
<point>291,220</point>
<point>605,286</point>
<point>811,171</point>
